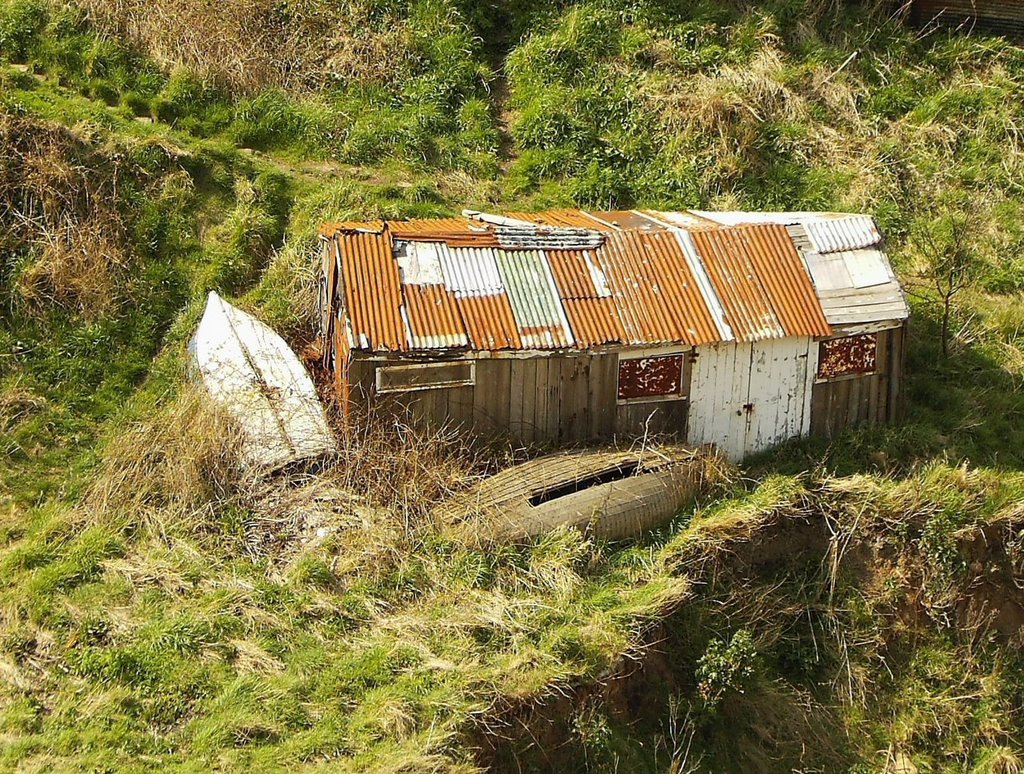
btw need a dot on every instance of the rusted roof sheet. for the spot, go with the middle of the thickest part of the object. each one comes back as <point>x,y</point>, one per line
<point>433,318</point>
<point>655,292</point>
<point>763,285</point>
<point>595,321</point>
<point>535,303</point>
<point>428,284</point>
<point>577,274</point>
<point>586,298</point>
<point>372,292</point>
<point>489,322</point>
<point>565,218</point>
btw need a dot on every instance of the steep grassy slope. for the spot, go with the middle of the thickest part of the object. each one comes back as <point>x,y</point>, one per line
<point>161,611</point>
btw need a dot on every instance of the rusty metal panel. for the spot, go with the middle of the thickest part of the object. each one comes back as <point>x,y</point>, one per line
<point>650,377</point>
<point>489,322</point>
<point>786,281</point>
<point>535,303</point>
<point>655,291</point>
<point>577,274</point>
<point>594,321</point>
<point>628,220</point>
<point>564,218</point>
<point>433,318</point>
<point>762,282</point>
<point>373,294</point>
<point>726,256</point>
<point>848,356</point>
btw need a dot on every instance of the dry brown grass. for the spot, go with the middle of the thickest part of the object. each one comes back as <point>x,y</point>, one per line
<point>248,45</point>
<point>177,468</point>
<point>59,202</point>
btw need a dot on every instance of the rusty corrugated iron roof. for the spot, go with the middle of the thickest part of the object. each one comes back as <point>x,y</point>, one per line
<point>565,218</point>
<point>372,292</point>
<point>595,322</point>
<point>644,280</point>
<point>763,285</point>
<point>655,292</point>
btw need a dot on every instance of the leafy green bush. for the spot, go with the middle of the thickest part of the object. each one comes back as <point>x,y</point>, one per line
<point>726,667</point>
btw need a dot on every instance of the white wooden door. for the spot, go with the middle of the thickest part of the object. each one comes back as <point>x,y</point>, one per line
<point>779,397</point>
<point>746,398</point>
<point>718,392</point>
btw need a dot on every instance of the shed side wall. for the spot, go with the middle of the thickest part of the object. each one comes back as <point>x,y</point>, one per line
<point>870,399</point>
<point>557,399</point>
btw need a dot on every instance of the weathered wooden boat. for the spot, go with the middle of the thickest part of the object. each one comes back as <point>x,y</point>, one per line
<point>252,373</point>
<point>611,494</point>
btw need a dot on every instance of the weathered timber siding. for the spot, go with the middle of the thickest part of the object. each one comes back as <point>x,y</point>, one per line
<point>868,399</point>
<point>995,16</point>
<point>556,399</point>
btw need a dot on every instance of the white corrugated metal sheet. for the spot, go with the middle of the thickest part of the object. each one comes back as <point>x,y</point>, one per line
<point>850,232</point>
<point>471,271</point>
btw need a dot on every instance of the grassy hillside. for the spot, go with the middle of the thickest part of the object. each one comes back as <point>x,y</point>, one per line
<point>843,605</point>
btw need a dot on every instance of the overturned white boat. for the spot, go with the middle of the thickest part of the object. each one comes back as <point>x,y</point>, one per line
<point>253,374</point>
<point>612,494</point>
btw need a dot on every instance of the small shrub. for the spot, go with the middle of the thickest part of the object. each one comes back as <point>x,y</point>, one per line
<point>726,667</point>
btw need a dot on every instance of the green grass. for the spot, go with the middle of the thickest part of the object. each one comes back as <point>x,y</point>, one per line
<point>154,618</point>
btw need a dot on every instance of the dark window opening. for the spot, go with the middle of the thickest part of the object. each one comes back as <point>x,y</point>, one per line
<point>617,473</point>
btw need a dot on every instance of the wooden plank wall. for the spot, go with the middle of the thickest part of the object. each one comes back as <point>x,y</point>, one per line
<point>1003,17</point>
<point>559,399</point>
<point>863,400</point>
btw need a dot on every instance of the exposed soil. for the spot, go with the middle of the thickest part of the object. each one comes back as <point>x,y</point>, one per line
<point>988,597</point>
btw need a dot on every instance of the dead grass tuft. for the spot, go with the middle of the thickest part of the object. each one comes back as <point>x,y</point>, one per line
<point>178,467</point>
<point>59,209</point>
<point>245,45</point>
